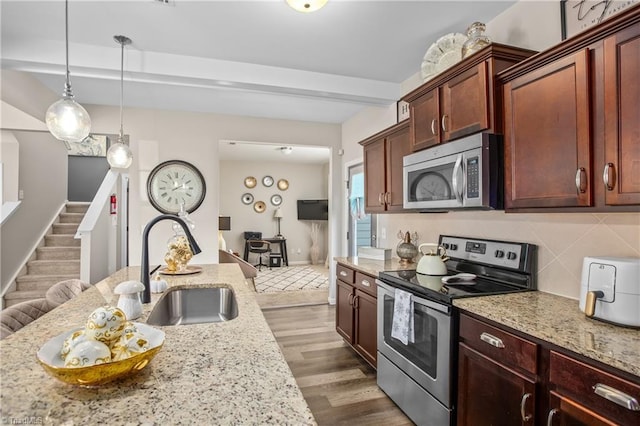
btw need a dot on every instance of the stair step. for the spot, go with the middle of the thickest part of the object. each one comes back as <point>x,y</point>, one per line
<point>53,267</point>
<point>56,240</point>
<point>77,207</point>
<point>58,253</point>
<point>40,282</point>
<point>71,217</point>
<point>65,228</point>
<point>16,297</point>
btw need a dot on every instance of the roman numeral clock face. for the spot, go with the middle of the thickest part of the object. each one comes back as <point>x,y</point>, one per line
<point>173,183</point>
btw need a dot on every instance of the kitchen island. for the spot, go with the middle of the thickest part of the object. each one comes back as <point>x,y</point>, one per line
<point>230,372</point>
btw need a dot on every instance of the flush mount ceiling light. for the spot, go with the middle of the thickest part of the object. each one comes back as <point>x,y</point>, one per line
<point>119,154</point>
<point>306,6</point>
<point>286,150</point>
<point>66,119</point>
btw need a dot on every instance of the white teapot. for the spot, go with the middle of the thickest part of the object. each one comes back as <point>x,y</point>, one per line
<point>432,263</point>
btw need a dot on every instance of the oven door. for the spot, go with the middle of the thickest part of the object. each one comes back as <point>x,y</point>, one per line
<point>428,359</point>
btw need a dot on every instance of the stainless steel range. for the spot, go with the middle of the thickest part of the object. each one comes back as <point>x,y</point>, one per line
<point>420,376</point>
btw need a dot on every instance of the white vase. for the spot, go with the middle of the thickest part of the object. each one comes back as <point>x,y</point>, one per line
<point>315,254</point>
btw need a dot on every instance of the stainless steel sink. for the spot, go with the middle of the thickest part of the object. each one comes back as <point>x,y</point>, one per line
<point>194,306</point>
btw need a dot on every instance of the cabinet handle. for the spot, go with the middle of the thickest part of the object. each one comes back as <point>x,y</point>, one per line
<point>492,340</point>
<point>433,127</point>
<point>444,124</point>
<point>581,180</point>
<point>617,397</point>
<point>365,283</point>
<point>608,177</point>
<point>525,417</point>
<point>343,274</point>
<point>550,416</point>
<point>381,198</point>
<point>387,198</point>
<point>350,299</point>
<point>356,302</point>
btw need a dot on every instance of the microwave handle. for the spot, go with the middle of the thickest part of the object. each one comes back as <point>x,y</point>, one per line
<point>455,181</point>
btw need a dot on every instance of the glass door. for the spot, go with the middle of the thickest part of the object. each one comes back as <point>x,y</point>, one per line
<point>362,226</point>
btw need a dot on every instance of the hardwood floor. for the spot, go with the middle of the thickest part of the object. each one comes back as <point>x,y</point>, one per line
<point>339,386</point>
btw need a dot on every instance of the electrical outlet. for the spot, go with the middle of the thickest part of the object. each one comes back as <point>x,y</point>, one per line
<point>299,251</point>
<point>383,233</point>
<point>20,194</point>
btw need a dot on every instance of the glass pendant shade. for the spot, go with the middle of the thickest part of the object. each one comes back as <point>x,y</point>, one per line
<point>119,156</point>
<point>306,5</point>
<point>67,120</point>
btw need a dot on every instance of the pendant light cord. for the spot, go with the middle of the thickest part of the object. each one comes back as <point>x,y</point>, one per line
<point>121,89</point>
<point>67,85</point>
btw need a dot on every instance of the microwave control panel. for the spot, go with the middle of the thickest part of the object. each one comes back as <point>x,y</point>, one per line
<point>473,177</point>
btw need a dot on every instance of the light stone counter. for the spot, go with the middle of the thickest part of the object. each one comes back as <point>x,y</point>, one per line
<point>558,320</point>
<point>372,266</point>
<point>223,373</point>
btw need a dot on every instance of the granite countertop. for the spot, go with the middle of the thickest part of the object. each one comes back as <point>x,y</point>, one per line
<point>222,373</point>
<point>559,320</point>
<point>372,266</point>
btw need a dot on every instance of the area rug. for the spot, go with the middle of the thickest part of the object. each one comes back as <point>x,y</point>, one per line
<point>290,278</point>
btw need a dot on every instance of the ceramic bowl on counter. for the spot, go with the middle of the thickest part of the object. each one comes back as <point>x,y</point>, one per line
<point>93,375</point>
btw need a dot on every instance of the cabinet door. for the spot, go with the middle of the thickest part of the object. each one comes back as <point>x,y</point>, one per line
<point>491,394</point>
<point>621,168</point>
<point>344,310</point>
<point>374,176</point>
<point>366,326</point>
<point>465,104</point>
<point>398,145</point>
<point>565,412</point>
<point>425,121</point>
<point>547,136</point>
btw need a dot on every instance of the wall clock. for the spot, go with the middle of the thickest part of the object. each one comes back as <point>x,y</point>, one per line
<point>173,183</point>
<point>578,15</point>
<point>267,181</point>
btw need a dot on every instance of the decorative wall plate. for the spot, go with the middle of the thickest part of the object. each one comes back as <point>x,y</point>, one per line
<point>250,182</point>
<point>247,198</point>
<point>259,206</point>
<point>442,54</point>
<point>283,184</point>
<point>276,200</point>
<point>267,181</point>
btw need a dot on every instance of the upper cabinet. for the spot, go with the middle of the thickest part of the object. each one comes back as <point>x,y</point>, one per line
<point>383,154</point>
<point>572,122</point>
<point>462,100</point>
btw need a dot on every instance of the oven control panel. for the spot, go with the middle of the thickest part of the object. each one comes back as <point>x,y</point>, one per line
<point>497,253</point>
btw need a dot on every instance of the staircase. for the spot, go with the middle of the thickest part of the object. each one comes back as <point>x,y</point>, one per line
<point>56,259</point>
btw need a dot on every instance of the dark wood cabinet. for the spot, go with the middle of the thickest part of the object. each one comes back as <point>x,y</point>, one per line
<point>462,100</point>
<point>509,379</point>
<point>621,165</point>
<point>571,127</point>
<point>496,376</point>
<point>356,311</point>
<point>383,154</point>
<point>547,136</point>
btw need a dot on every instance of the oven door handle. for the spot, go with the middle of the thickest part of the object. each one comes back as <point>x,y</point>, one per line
<point>390,291</point>
<point>457,183</point>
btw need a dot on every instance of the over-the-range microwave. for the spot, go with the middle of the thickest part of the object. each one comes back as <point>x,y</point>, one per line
<point>465,173</point>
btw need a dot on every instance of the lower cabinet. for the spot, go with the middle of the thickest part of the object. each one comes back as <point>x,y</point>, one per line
<point>504,379</point>
<point>356,310</point>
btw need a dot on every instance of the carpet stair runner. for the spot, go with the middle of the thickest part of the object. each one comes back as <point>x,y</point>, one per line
<point>57,257</point>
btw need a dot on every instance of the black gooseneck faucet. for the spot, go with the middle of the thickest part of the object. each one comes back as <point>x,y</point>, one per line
<point>144,264</point>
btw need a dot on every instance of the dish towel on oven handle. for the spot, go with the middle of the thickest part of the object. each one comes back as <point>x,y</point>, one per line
<point>402,325</point>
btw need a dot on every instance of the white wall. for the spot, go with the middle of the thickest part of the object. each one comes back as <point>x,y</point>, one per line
<point>564,239</point>
<point>306,181</point>
<point>193,137</point>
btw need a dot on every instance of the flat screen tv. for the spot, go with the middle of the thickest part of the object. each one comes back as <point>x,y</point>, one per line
<point>313,209</point>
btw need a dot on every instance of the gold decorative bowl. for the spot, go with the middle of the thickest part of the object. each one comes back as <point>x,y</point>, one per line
<point>49,357</point>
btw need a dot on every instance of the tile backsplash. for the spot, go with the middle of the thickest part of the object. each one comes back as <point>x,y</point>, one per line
<point>563,239</point>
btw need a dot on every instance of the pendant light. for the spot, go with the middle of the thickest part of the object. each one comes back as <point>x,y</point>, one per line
<point>306,6</point>
<point>66,119</point>
<point>119,154</point>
